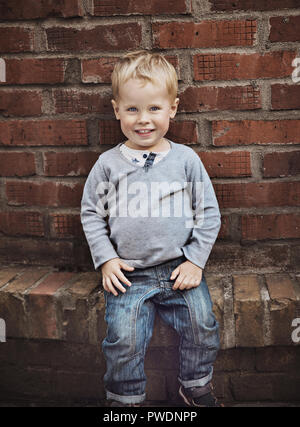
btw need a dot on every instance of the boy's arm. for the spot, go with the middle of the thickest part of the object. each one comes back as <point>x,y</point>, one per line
<point>206,209</point>
<point>94,224</point>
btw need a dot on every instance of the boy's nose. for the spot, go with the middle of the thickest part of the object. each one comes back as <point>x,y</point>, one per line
<point>143,117</point>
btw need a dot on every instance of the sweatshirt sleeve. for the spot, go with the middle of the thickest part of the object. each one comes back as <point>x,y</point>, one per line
<point>93,217</point>
<point>207,218</point>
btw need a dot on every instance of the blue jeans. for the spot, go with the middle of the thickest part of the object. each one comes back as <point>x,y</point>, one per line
<point>130,318</point>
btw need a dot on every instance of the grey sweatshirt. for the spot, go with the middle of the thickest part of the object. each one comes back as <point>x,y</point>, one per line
<point>147,216</point>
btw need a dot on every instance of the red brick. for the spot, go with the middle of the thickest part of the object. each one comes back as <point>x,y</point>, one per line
<point>261,227</point>
<point>261,5</point>
<point>43,194</point>
<point>285,97</point>
<point>21,223</point>
<point>71,101</point>
<point>66,225</point>
<point>234,66</point>
<point>16,39</point>
<point>37,251</point>
<point>32,9</point>
<point>99,70</point>
<point>20,103</point>
<point>263,194</point>
<point>44,319</point>
<point>246,132</point>
<point>34,71</point>
<point>285,28</point>
<point>17,164</point>
<point>195,99</point>
<point>281,164</point>
<point>110,132</point>
<point>140,7</point>
<point>204,34</point>
<point>226,165</point>
<point>225,227</point>
<point>44,132</point>
<point>183,132</point>
<point>104,37</point>
<point>69,164</point>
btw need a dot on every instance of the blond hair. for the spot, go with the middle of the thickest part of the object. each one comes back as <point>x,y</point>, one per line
<point>145,66</point>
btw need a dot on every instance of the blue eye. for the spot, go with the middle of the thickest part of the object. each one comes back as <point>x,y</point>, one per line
<point>131,109</point>
<point>154,108</point>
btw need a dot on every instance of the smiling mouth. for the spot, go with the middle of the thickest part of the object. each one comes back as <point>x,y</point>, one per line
<point>144,131</point>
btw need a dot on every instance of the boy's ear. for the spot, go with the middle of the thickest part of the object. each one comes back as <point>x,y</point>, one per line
<point>173,109</point>
<point>116,109</point>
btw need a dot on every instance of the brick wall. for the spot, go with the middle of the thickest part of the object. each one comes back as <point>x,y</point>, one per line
<point>239,109</point>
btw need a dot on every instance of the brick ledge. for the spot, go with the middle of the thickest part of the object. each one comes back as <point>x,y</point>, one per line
<point>254,310</point>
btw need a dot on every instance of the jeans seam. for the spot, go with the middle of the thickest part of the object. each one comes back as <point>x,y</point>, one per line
<point>133,345</point>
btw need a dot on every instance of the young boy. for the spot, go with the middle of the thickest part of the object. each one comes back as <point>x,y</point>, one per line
<point>162,251</point>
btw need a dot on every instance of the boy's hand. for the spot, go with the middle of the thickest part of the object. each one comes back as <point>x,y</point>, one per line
<point>111,272</point>
<point>189,276</point>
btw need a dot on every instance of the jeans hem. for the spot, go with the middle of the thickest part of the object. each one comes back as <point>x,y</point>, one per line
<point>201,382</point>
<point>125,399</point>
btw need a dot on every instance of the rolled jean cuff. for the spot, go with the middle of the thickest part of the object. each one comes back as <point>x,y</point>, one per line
<point>197,383</point>
<point>125,399</point>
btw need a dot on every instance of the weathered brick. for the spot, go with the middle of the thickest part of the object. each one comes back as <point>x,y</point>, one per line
<point>261,5</point>
<point>43,194</point>
<point>204,34</point>
<point>20,103</point>
<point>285,28</point>
<point>248,310</point>
<point>34,71</point>
<point>31,9</point>
<point>282,306</point>
<point>285,97</point>
<point>140,7</point>
<point>82,102</point>
<point>281,226</point>
<point>226,165</point>
<point>195,99</point>
<point>246,132</point>
<point>17,164</point>
<point>12,307</point>
<point>66,225</point>
<point>265,194</point>
<point>281,164</point>
<point>22,223</point>
<point>16,39</point>
<point>41,305</point>
<point>8,273</point>
<point>69,164</point>
<point>44,132</point>
<point>234,66</point>
<point>286,360</point>
<point>103,37</point>
<point>97,70</point>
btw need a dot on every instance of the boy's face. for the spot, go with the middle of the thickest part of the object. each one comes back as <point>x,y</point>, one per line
<point>144,111</point>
